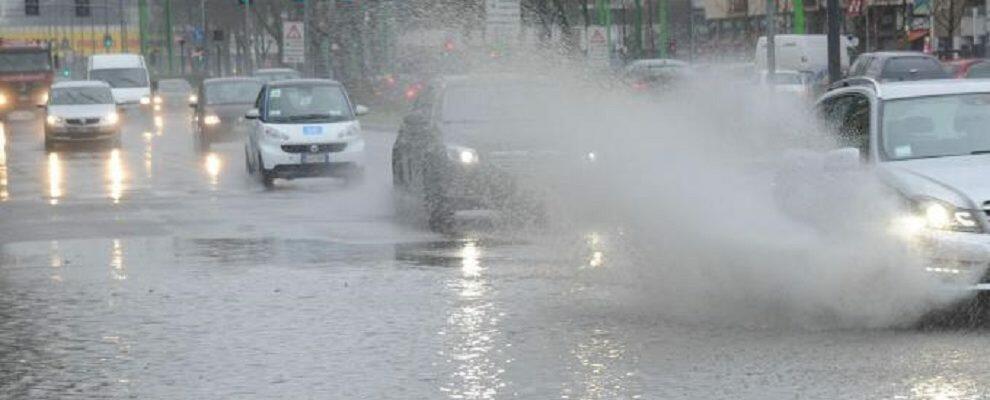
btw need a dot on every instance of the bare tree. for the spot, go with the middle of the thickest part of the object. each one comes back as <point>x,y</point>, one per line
<point>948,15</point>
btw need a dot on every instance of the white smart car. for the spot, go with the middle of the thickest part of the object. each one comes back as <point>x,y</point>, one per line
<point>304,128</point>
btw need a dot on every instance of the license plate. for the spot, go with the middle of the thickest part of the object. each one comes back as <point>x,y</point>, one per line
<point>312,130</point>
<point>315,158</point>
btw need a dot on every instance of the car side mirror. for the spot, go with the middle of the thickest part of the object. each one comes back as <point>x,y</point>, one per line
<point>361,110</point>
<point>844,159</point>
<point>252,114</point>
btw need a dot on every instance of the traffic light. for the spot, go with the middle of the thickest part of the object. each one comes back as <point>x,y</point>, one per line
<point>32,8</point>
<point>107,41</point>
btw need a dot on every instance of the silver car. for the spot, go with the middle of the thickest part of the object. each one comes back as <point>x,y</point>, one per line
<point>928,142</point>
<point>81,111</point>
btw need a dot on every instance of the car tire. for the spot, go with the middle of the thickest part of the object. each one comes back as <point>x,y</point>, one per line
<point>247,162</point>
<point>266,176</point>
<point>49,144</point>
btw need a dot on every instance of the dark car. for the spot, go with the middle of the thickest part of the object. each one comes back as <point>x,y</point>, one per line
<point>894,66</point>
<point>276,74</point>
<point>220,105</point>
<point>172,92</point>
<point>484,143</point>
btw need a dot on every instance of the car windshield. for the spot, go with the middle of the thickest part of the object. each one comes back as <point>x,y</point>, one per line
<point>913,68</point>
<point>496,102</point>
<point>22,61</point>
<point>235,92</point>
<point>173,86</point>
<point>121,77</point>
<point>276,76</point>
<point>80,95</point>
<point>311,103</point>
<point>936,126</point>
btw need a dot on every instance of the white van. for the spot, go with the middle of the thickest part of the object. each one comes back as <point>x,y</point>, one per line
<point>801,52</point>
<point>127,75</point>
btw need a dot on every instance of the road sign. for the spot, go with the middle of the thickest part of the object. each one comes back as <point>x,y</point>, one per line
<point>503,19</point>
<point>198,35</point>
<point>598,46</point>
<point>293,42</point>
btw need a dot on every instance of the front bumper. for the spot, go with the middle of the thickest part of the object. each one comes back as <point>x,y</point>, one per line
<point>957,261</point>
<point>325,162</point>
<point>82,133</point>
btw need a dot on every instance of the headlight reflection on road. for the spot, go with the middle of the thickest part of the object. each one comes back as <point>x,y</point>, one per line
<point>472,333</point>
<point>213,165</point>
<point>54,178</point>
<point>4,195</point>
<point>117,261</point>
<point>115,176</point>
<point>159,124</point>
<point>148,139</point>
<point>55,260</point>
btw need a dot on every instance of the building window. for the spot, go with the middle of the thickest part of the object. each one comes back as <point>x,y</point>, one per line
<point>738,7</point>
<point>82,8</point>
<point>31,8</point>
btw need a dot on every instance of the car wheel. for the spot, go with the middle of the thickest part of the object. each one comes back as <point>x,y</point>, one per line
<point>247,162</point>
<point>266,176</point>
<point>49,144</point>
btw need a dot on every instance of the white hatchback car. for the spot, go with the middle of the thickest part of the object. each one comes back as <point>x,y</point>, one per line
<point>304,128</point>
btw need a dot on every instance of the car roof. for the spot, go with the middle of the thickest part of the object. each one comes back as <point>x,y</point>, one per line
<point>934,87</point>
<point>298,82</point>
<point>901,53</point>
<point>274,70</point>
<point>79,84</point>
<point>231,79</point>
<point>659,61</point>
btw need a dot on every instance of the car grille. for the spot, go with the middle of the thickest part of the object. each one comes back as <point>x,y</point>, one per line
<point>308,148</point>
<point>82,121</point>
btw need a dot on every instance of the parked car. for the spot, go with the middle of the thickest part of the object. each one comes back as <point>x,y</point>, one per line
<point>304,128</point>
<point>219,106</point>
<point>276,74</point>
<point>81,111</point>
<point>926,142</point>
<point>478,142</point>
<point>973,68</point>
<point>893,66</point>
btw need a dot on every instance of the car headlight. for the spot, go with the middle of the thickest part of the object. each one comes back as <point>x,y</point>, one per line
<point>276,135</point>
<point>351,133</point>
<point>145,100</point>
<point>157,99</point>
<point>3,99</point>
<point>53,120</point>
<point>193,99</point>
<point>43,99</point>
<point>591,157</point>
<point>463,155</point>
<point>211,119</point>
<point>938,215</point>
<point>113,118</point>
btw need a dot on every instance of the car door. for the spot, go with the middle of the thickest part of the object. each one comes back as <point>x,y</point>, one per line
<point>258,124</point>
<point>414,136</point>
<point>847,118</point>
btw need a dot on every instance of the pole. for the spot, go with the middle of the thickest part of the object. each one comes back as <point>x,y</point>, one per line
<point>799,24</point>
<point>866,16</point>
<point>834,69</point>
<point>664,33</point>
<point>307,36</point>
<point>247,38</point>
<point>123,28</point>
<point>142,25</point>
<point>205,42</point>
<point>771,43</point>
<point>168,34</point>
<point>639,29</point>
<point>972,52</point>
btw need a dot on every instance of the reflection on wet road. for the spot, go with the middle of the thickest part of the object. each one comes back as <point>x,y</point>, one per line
<point>158,271</point>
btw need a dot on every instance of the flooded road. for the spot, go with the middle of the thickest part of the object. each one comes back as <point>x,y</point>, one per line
<point>156,271</point>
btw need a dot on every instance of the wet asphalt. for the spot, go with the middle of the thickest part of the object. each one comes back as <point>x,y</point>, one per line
<point>157,271</point>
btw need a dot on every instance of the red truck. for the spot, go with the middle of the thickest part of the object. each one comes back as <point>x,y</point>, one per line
<point>26,75</point>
